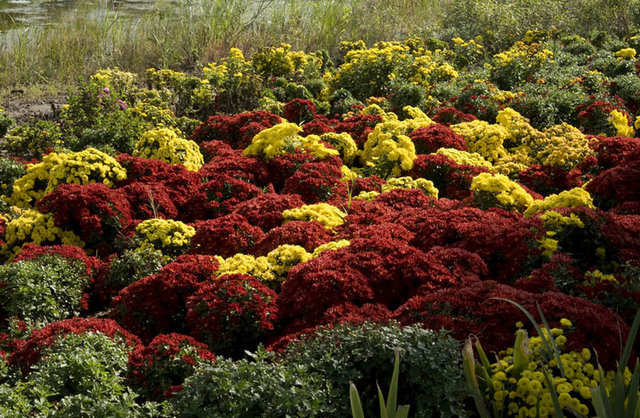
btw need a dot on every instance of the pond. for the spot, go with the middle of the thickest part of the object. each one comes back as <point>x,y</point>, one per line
<point>22,13</point>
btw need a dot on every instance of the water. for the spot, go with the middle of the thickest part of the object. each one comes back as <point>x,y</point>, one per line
<point>25,13</point>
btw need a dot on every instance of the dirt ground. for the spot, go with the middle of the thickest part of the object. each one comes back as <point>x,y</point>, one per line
<point>21,106</point>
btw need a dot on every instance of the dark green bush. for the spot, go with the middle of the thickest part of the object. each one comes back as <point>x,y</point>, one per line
<point>5,123</point>
<point>430,372</point>
<point>77,376</point>
<point>45,289</point>
<point>10,170</point>
<point>254,388</point>
<point>32,139</point>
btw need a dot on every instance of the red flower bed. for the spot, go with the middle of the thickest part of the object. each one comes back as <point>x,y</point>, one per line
<point>158,370</point>
<point>94,212</point>
<point>149,200</point>
<point>430,139</point>
<point>236,130</point>
<point>547,180</point>
<point>265,211</point>
<point>359,127</point>
<point>236,164</point>
<point>225,236</point>
<point>28,352</point>
<point>451,116</point>
<point>316,182</point>
<point>232,313</point>
<point>305,234</point>
<point>452,180</point>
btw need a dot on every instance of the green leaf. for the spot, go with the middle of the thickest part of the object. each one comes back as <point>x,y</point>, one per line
<point>403,411</point>
<point>632,393</point>
<point>392,397</point>
<point>356,403</point>
<point>381,402</point>
<point>469,365</point>
<point>553,393</point>
<point>624,360</point>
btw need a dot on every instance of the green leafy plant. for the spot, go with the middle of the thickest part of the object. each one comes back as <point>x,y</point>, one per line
<point>388,408</point>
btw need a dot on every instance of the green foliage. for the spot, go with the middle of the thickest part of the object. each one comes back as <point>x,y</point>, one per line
<point>253,388</point>
<point>45,289</point>
<point>5,123</point>
<point>80,376</point>
<point>10,171</point>
<point>388,407</point>
<point>364,354</point>
<point>32,139</point>
<point>132,266</point>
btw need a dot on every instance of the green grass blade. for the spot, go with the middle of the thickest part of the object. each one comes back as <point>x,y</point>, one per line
<point>618,394</point>
<point>381,402</point>
<point>632,393</point>
<point>403,411</point>
<point>606,403</point>
<point>626,354</point>
<point>392,397</point>
<point>598,403</point>
<point>469,365</point>
<point>356,404</point>
<point>554,395</point>
<point>551,340</point>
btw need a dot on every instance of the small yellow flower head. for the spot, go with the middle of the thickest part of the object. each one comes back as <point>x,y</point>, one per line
<point>620,122</point>
<point>164,144</point>
<point>499,191</point>
<point>465,158</point>
<point>331,246</point>
<point>483,138</point>
<point>329,216</point>
<point>566,199</point>
<point>565,322</point>
<point>626,53</point>
<point>283,138</point>
<point>409,183</point>
<point>284,257</point>
<point>171,237</point>
<point>257,267</point>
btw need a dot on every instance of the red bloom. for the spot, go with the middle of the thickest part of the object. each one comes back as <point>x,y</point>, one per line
<point>430,139</point>
<point>305,234</point>
<point>359,127</point>
<point>93,211</point>
<point>232,313</point>
<point>236,130</point>
<point>28,353</point>
<point>236,164</point>
<point>265,211</point>
<point>154,370</point>
<point>451,116</point>
<point>225,236</point>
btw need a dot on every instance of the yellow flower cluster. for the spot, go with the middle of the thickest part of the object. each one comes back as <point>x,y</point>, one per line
<point>465,158</point>
<point>164,144</point>
<point>369,196</point>
<point>32,226</point>
<point>409,183</point>
<point>496,190</point>
<point>484,138</point>
<point>281,61</point>
<point>567,199</point>
<point>114,78</point>
<point>257,267</point>
<point>84,167</point>
<point>283,138</point>
<point>166,235</point>
<point>626,53</point>
<point>427,70</point>
<point>523,391</point>
<point>343,142</point>
<point>283,258</point>
<point>518,128</point>
<point>388,150</point>
<point>597,276</point>
<point>532,55</point>
<point>620,122</point>
<point>331,246</point>
<point>329,216</point>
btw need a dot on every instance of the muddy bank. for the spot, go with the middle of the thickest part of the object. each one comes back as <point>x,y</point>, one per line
<point>21,106</point>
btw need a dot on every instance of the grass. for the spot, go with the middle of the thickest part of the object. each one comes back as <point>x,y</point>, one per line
<point>188,35</point>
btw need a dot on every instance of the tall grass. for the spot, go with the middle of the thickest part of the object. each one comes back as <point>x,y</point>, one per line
<point>190,33</point>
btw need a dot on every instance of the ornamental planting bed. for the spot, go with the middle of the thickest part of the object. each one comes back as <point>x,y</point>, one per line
<point>248,240</point>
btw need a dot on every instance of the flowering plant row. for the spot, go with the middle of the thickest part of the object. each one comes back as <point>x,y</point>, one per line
<point>385,189</point>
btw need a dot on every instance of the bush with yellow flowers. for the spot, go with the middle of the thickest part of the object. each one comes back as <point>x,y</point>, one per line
<point>497,190</point>
<point>514,66</point>
<point>281,61</point>
<point>465,158</point>
<point>410,183</point>
<point>329,216</point>
<point>171,237</point>
<point>84,167</point>
<point>284,138</point>
<point>388,151</point>
<point>484,138</point>
<point>331,246</point>
<point>164,144</point>
<point>239,263</point>
<point>517,386</point>
<point>284,257</point>
<point>567,199</point>
<point>342,142</point>
<point>31,226</point>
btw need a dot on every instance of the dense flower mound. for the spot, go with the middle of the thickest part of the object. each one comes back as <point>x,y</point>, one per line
<point>418,181</point>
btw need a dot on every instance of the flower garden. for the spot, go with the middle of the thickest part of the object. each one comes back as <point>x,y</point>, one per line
<point>247,240</point>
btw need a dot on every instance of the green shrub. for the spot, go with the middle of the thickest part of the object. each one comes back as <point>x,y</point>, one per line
<point>10,170</point>
<point>430,373</point>
<point>31,140</point>
<point>79,376</point>
<point>254,388</point>
<point>132,266</point>
<point>5,123</point>
<point>45,289</point>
